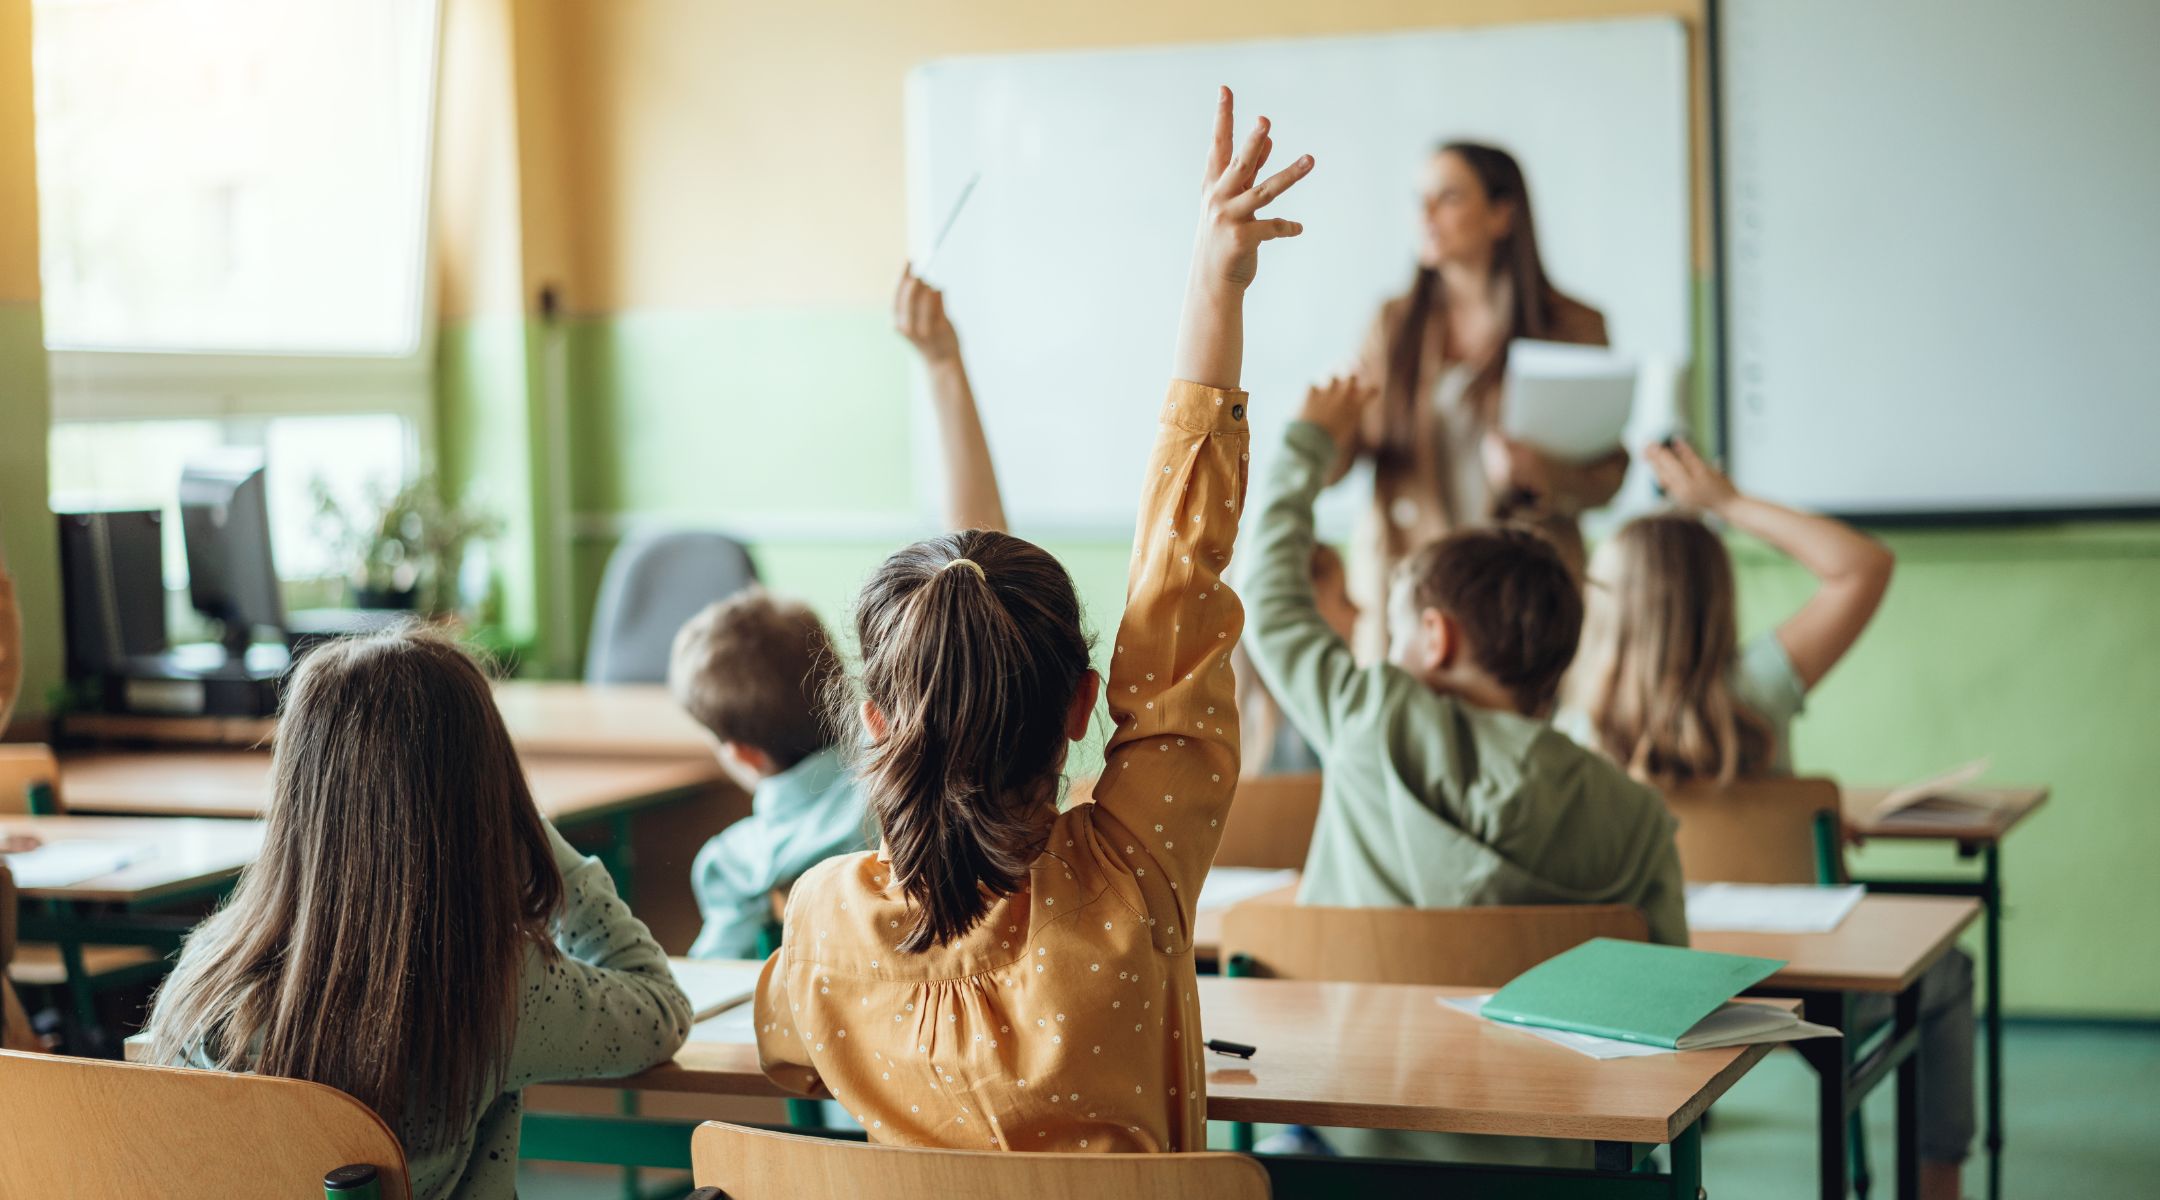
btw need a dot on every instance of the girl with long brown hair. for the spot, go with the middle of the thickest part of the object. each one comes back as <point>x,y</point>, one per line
<point>414,933</point>
<point>1000,973</point>
<point>1438,355</point>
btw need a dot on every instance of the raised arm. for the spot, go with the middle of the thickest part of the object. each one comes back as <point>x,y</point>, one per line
<point>1851,569</point>
<point>1172,762</point>
<point>1307,665</point>
<point>971,489</point>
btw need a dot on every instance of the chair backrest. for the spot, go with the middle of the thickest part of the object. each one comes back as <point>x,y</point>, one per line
<point>1270,823</point>
<point>1759,831</point>
<point>756,1164</point>
<point>1467,947</point>
<point>88,1127</point>
<point>28,769</point>
<point>15,1031</point>
<point>654,583</point>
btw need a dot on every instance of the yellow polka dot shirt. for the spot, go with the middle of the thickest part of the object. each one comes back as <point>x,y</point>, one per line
<point>1066,1020</point>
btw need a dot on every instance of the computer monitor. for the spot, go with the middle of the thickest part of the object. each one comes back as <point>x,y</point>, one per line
<point>225,520</point>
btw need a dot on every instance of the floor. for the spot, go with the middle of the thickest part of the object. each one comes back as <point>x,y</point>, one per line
<point>2083,1120</point>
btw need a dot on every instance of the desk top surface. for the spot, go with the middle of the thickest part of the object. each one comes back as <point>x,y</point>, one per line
<point>1370,1056</point>
<point>2001,811</point>
<point>629,720</point>
<point>178,855</point>
<point>236,783</point>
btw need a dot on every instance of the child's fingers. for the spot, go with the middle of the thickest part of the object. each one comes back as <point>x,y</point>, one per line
<point>1274,227</point>
<point>900,291</point>
<point>1219,148</point>
<point>1238,176</point>
<point>1270,188</point>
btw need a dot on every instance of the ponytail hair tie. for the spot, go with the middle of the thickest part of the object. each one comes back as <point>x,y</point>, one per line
<point>970,564</point>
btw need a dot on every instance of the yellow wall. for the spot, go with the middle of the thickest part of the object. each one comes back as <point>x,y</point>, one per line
<point>735,155</point>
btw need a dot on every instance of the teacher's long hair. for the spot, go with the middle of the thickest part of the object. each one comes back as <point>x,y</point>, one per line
<point>1531,314</point>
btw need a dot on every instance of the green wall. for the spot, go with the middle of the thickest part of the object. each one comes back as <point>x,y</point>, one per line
<point>26,524</point>
<point>2039,646</point>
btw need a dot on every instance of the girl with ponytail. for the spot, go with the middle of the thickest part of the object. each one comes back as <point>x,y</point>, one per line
<point>1000,974</point>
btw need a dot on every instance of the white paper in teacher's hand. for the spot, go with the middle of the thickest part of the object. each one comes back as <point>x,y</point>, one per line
<point>1570,401</point>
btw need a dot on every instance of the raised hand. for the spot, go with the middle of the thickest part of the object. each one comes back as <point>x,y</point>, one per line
<point>1231,228</point>
<point>1337,405</point>
<point>1688,479</point>
<point>919,316</point>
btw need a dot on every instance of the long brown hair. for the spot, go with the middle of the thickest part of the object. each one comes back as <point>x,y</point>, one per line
<point>376,945</point>
<point>1531,312</point>
<point>1657,655</point>
<point>972,651</point>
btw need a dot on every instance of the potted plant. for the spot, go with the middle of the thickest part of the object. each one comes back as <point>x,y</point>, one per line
<point>404,548</point>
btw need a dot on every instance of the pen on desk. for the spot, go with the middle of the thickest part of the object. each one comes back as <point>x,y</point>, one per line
<point>1233,1049</point>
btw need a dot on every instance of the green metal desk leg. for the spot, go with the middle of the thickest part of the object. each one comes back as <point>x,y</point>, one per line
<point>1687,1163</point>
<point>1237,966</point>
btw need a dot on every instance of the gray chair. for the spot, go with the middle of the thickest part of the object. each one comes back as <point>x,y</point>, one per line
<point>654,583</point>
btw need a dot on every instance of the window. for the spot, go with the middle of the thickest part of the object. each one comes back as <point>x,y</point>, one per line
<point>233,241</point>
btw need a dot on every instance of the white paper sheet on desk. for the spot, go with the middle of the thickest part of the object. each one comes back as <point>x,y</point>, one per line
<point>1730,1018</point>
<point>1769,908</point>
<point>1569,401</point>
<point>716,984</point>
<point>62,864</point>
<point>735,1027</point>
<point>1225,886</point>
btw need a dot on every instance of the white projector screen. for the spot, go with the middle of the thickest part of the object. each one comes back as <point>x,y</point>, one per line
<point>1942,235</point>
<point>1065,269</point>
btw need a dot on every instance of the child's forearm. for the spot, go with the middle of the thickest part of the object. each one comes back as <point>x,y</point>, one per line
<point>1828,548</point>
<point>1211,334</point>
<point>972,499</point>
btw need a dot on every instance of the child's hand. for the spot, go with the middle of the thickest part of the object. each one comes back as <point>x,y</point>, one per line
<point>919,316</point>
<point>1687,478</point>
<point>1228,249</point>
<point>1337,406</point>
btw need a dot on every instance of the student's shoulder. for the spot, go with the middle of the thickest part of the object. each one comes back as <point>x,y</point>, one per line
<point>1559,765</point>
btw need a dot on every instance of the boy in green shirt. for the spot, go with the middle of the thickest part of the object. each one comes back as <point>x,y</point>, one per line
<point>1445,785</point>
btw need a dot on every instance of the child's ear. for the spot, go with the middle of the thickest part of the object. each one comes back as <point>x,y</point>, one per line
<point>1442,638</point>
<point>742,758</point>
<point>873,721</point>
<point>1083,706</point>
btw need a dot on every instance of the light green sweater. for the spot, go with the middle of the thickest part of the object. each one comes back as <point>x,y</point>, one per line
<point>1430,801</point>
<point>606,1006</point>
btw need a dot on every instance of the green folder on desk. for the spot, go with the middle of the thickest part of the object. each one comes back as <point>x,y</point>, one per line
<point>1637,992</point>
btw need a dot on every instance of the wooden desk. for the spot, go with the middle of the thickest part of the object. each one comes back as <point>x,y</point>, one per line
<point>629,720</point>
<point>1884,945</point>
<point>182,856</point>
<point>1361,1055</point>
<point>1980,835</point>
<point>236,783</point>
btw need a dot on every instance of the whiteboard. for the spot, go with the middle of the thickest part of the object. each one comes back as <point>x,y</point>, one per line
<point>1943,255</point>
<point>1065,271</point>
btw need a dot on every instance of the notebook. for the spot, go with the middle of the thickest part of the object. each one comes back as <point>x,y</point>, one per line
<point>1225,886</point>
<point>1769,907</point>
<point>64,864</point>
<point>715,985</point>
<point>1936,796</point>
<point>1638,992</point>
<point>1733,1018</point>
<point>1569,401</point>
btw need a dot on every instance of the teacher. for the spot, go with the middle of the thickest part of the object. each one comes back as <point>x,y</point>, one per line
<point>1437,356</point>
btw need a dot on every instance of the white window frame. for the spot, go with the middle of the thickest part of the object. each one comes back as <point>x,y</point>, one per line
<point>116,384</point>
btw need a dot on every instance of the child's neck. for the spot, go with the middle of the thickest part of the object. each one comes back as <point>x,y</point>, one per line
<point>1475,689</point>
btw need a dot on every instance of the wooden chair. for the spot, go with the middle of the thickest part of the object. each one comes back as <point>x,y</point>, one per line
<point>88,1127</point>
<point>29,780</point>
<point>755,1164</point>
<point>1760,831</point>
<point>30,784</point>
<point>1270,823</point>
<point>15,1031</point>
<point>1469,947</point>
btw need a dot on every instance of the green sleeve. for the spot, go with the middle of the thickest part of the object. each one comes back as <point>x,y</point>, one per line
<point>1306,665</point>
